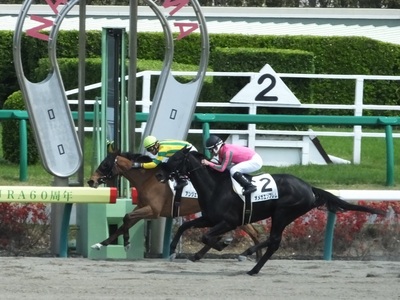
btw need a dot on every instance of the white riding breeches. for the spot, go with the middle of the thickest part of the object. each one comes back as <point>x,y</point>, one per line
<point>249,166</point>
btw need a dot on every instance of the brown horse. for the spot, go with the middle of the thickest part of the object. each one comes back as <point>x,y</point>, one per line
<point>155,199</point>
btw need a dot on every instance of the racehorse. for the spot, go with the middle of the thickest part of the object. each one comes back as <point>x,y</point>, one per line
<point>224,209</point>
<point>155,199</point>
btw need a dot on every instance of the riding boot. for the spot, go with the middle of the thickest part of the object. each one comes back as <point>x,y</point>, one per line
<point>245,183</point>
<point>181,183</point>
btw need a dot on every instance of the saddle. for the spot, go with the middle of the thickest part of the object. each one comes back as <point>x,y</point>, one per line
<point>266,190</point>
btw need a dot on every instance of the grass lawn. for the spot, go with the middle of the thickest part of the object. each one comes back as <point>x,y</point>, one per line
<point>370,174</point>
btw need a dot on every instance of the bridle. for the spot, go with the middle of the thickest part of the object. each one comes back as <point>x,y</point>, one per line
<point>110,175</point>
<point>182,171</point>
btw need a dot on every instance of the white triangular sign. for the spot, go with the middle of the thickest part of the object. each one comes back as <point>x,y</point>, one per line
<point>266,88</point>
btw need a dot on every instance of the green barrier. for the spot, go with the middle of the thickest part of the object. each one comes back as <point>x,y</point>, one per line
<point>96,222</point>
<point>22,116</point>
<point>206,119</point>
<point>386,122</point>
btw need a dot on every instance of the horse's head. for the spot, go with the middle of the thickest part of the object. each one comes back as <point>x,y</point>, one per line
<point>115,164</point>
<point>183,162</point>
<point>105,171</point>
<point>176,163</point>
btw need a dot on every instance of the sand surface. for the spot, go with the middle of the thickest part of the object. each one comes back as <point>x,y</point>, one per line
<point>81,278</point>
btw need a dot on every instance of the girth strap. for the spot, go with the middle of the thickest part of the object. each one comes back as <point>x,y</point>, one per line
<point>247,209</point>
<point>177,202</point>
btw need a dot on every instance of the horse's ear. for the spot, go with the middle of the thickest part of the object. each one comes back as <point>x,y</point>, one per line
<point>186,149</point>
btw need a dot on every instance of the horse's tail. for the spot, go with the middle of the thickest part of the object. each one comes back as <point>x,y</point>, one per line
<point>334,203</point>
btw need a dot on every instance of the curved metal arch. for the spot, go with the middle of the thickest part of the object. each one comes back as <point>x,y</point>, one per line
<point>47,105</point>
<point>174,103</point>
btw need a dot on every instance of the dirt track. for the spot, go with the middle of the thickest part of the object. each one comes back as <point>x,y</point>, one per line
<point>80,278</point>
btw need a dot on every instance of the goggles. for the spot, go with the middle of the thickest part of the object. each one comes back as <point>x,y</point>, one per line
<point>152,147</point>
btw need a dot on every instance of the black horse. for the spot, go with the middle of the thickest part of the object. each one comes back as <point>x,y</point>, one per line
<point>223,209</point>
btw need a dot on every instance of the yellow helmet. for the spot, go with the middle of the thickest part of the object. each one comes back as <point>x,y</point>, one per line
<point>149,141</point>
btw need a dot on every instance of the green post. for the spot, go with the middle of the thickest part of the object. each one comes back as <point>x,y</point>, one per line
<point>65,230</point>
<point>206,135</point>
<point>328,243</point>
<point>389,156</point>
<point>23,151</point>
<point>167,237</point>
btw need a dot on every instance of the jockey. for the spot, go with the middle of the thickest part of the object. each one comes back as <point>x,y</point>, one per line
<point>161,151</point>
<point>245,160</point>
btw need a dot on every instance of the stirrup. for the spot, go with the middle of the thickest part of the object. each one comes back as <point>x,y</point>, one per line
<point>181,185</point>
<point>250,189</point>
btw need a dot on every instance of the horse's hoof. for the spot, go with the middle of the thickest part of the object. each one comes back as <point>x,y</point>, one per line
<point>228,241</point>
<point>127,246</point>
<point>194,258</point>
<point>172,257</point>
<point>97,246</point>
<point>242,258</point>
<point>252,272</point>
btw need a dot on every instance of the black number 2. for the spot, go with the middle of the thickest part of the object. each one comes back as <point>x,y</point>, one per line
<point>264,188</point>
<point>262,96</point>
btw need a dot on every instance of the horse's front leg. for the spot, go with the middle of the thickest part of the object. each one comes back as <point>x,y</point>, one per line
<point>200,222</point>
<point>272,243</point>
<point>129,220</point>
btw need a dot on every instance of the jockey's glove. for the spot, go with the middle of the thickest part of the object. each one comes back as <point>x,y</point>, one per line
<point>136,165</point>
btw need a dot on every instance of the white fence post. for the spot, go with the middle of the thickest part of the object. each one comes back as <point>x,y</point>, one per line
<point>358,111</point>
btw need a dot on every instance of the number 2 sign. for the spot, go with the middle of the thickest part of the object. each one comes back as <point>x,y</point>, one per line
<point>266,88</point>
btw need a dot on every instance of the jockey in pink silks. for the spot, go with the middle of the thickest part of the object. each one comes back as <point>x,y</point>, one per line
<point>244,160</point>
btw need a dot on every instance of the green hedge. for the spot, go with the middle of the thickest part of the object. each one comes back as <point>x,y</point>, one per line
<point>69,68</point>
<point>331,55</point>
<point>253,59</point>
<point>10,136</point>
<point>8,79</point>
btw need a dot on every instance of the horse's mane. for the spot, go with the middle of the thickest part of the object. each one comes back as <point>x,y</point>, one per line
<point>136,157</point>
<point>198,155</point>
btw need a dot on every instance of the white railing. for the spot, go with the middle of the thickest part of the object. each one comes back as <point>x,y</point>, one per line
<point>358,107</point>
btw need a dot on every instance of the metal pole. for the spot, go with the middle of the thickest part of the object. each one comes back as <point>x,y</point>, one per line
<point>23,148</point>
<point>206,135</point>
<point>116,55</point>
<point>81,84</point>
<point>133,12</point>
<point>57,218</point>
<point>167,237</point>
<point>328,243</point>
<point>389,156</point>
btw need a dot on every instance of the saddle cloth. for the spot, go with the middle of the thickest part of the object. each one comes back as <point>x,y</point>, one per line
<point>187,192</point>
<point>266,188</point>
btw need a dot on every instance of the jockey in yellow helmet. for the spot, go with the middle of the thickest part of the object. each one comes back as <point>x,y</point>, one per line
<point>162,150</point>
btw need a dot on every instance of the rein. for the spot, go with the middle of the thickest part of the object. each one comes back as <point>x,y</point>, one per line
<point>186,161</point>
<point>195,169</point>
